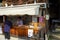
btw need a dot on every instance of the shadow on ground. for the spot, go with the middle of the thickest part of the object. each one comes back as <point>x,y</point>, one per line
<point>55,35</point>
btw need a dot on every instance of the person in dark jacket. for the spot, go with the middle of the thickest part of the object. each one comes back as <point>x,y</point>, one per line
<point>7,26</point>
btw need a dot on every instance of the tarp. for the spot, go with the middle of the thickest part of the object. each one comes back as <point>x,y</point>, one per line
<point>21,10</point>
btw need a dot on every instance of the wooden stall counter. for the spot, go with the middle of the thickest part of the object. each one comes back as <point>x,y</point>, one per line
<point>19,30</point>
<point>23,30</point>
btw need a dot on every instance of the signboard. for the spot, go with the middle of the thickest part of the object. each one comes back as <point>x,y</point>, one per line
<point>30,32</point>
<point>41,19</point>
<point>47,17</point>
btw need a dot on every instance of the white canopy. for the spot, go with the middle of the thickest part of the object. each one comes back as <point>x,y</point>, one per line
<point>20,10</point>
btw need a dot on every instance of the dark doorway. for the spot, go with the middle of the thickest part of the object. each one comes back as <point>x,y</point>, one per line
<point>54,9</point>
<point>54,13</point>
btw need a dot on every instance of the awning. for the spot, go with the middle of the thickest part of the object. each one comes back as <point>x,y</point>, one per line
<point>20,10</point>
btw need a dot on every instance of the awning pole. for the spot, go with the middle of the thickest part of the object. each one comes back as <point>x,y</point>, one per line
<point>34,1</point>
<point>3,18</point>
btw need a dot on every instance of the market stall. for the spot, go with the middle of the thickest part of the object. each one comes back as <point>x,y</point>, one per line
<point>30,9</point>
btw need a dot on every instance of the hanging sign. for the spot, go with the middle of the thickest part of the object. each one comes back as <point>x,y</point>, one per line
<point>30,32</point>
<point>47,17</point>
<point>41,19</point>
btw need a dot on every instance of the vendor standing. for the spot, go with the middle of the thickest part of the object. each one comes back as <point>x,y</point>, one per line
<point>7,26</point>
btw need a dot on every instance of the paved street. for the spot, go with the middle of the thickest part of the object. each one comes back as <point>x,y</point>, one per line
<point>2,38</point>
<point>12,38</point>
<point>55,35</point>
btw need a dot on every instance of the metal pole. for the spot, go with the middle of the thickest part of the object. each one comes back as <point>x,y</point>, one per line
<point>34,1</point>
<point>3,18</point>
<point>47,24</point>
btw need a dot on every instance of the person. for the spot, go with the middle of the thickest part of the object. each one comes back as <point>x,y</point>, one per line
<point>19,21</point>
<point>7,26</point>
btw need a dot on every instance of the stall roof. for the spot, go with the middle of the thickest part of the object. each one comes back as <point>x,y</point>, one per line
<point>30,9</point>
